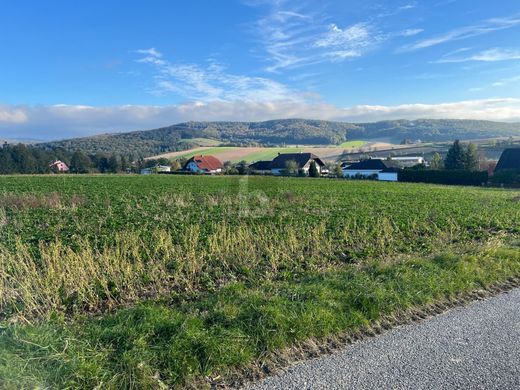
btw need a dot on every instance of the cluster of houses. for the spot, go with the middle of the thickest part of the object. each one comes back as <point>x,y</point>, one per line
<point>373,168</point>
<point>301,163</point>
<point>383,169</point>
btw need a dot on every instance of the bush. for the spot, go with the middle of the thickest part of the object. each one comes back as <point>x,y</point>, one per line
<point>506,176</point>
<point>452,177</point>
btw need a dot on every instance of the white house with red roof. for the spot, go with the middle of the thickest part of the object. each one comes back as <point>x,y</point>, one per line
<point>204,164</point>
<point>59,166</point>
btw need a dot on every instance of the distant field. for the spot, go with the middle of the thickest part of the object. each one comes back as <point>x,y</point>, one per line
<point>352,144</point>
<point>163,281</point>
<point>252,154</point>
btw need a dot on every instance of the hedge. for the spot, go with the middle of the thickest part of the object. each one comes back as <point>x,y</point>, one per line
<point>453,177</point>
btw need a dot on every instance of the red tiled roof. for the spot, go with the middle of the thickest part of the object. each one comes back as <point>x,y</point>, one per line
<point>208,163</point>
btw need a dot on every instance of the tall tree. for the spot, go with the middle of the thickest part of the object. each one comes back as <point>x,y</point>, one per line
<point>80,162</point>
<point>471,158</point>
<point>456,157</point>
<point>338,172</point>
<point>436,162</point>
<point>291,167</point>
<point>114,164</point>
<point>313,170</point>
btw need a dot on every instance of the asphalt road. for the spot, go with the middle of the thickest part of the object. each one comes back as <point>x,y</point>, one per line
<point>472,347</point>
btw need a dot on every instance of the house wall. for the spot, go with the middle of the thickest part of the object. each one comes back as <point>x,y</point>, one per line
<point>193,167</point>
<point>387,176</point>
<point>363,172</point>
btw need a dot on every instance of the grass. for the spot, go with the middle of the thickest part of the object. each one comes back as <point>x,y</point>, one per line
<point>208,151</point>
<point>352,144</point>
<point>143,282</point>
<point>270,153</point>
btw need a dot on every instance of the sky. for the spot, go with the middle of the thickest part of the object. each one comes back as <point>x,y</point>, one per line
<point>71,68</point>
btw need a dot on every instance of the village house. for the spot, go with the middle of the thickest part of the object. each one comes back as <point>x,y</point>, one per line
<point>204,164</point>
<point>408,162</point>
<point>59,166</point>
<point>303,162</point>
<point>373,168</point>
<point>509,160</point>
<point>261,167</point>
<point>156,169</point>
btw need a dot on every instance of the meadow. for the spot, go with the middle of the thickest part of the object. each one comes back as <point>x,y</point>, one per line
<point>179,281</point>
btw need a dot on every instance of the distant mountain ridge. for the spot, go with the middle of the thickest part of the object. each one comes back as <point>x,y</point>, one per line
<point>146,143</point>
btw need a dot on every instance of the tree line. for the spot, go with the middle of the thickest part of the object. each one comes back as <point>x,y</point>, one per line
<point>27,159</point>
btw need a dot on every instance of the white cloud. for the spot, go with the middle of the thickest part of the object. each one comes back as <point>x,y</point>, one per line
<point>484,27</point>
<point>490,55</point>
<point>11,115</point>
<point>64,121</point>
<point>410,32</point>
<point>212,82</point>
<point>351,41</point>
<point>506,81</point>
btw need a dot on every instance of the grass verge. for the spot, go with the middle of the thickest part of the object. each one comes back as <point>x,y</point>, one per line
<point>189,339</point>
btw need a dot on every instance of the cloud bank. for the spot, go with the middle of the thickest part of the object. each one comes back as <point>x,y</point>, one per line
<point>66,121</point>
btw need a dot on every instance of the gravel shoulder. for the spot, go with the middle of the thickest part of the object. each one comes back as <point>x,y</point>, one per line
<point>472,347</point>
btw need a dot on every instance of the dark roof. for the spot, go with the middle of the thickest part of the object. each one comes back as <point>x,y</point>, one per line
<point>207,163</point>
<point>510,159</point>
<point>280,162</point>
<point>261,166</point>
<point>373,164</point>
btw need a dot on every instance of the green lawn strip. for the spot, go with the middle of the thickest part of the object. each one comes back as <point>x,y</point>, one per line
<point>205,152</point>
<point>179,342</point>
<point>352,144</point>
<point>269,153</point>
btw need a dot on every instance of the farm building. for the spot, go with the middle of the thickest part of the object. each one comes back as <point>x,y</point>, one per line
<point>262,167</point>
<point>379,169</point>
<point>406,162</point>
<point>204,164</point>
<point>302,160</point>
<point>510,160</point>
<point>59,166</point>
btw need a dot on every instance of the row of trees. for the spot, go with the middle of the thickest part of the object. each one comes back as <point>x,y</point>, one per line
<point>459,156</point>
<point>26,159</point>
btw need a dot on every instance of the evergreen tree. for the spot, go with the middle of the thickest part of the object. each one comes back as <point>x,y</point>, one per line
<point>124,164</point>
<point>471,162</point>
<point>313,170</point>
<point>456,157</point>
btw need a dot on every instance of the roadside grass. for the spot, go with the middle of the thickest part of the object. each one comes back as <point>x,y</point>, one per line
<point>184,341</point>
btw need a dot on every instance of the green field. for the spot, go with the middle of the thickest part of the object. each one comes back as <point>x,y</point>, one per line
<point>352,144</point>
<point>156,281</point>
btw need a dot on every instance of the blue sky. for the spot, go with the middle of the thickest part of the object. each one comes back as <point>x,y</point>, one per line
<point>79,68</point>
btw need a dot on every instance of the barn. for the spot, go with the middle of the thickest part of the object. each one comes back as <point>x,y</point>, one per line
<point>510,160</point>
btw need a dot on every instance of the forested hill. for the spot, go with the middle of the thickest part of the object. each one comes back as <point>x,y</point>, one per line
<point>287,131</point>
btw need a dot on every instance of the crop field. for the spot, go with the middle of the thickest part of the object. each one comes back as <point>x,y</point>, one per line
<point>186,281</point>
<point>251,154</point>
